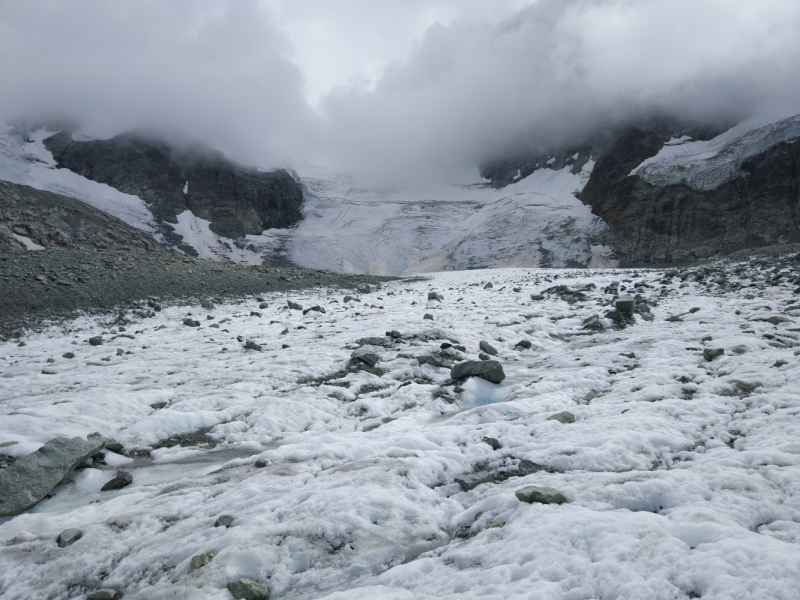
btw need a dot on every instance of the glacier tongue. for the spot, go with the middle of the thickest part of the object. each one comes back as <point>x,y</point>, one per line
<point>706,165</point>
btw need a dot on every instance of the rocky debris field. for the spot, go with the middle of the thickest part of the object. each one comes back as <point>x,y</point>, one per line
<point>59,283</point>
<point>627,434</point>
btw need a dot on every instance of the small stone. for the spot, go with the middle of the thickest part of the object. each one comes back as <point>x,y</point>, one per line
<point>365,356</point>
<point>694,309</point>
<point>427,359</point>
<point>49,371</point>
<point>473,480</point>
<point>616,315</point>
<point>104,594</point>
<point>493,442</point>
<point>255,313</point>
<point>201,560</point>
<point>527,467</point>
<point>674,319</point>
<point>490,370</point>
<point>263,305</point>
<point>350,299</point>
<point>251,345</point>
<point>261,463</point>
<point>779,363</point>
<point>189,322</point>
<point>68,355</point>
<point>394,334</point>
<point>158,405</point>
<point>435,296</point>
<point>537,297</point>
<point>68,537</point>
<point>120,351</point>
<point>224,521</point>
<point>96,340</point>
<point>543,495</point>
<point>565,417</point>
<point>110,444</point>
<point>488,286</point>
<point>625,305</point>
<point>294,305</point>
<point>21,344</point>
<point>523,344</point>
<point>495,524</point>
<point>318,309</point>
<point>711,353</point>
<point>120,480</point>
<point>487,347</point>
<point>247,589</point>
<point>428,316</point>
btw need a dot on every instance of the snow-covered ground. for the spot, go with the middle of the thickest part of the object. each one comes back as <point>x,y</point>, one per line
<point>683,475</point>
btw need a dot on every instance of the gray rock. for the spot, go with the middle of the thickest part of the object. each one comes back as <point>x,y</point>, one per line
<point>224,521</point>
<point>428,359</point>
<point>350,299</point>
<point>493,442</point>
<point>120,480</point>
<point>490,370</point>
<point>251,345</point>
<point>625,304</point>
<point>565,417</point>
<point>367,357</point>
<point>68,355</point>
<point>111,444</point>
<point>189,322</point>
<point>261,463</point>
<point>96,340</point>
<point>487,347</point>
<point>428,316</point>
<point>674,319</point>
<point>523,344</point>
<point>527,467</point>
<point>255,313</point>
<point>616,316</point>
<point>711,353</point>
<point>483,356</point>
<point>473,480</point>
<point>27,481</point>
<point>68,537</point>
<point>294,305</point>
<point>371,341</point>
<point>394,334</point>
<point>201,560</point>
<point>263,305</point>
<point>316,308</point>
<point>247,589</point>
<point>537,297</point>
<point>543,495</point>
<point>158,405</point>
<point>488,286</point>
<point>435,296</point>
<point>104,594</point>
<point>495,524</point>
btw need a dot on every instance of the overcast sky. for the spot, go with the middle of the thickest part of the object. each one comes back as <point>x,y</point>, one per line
<point>392,91</point>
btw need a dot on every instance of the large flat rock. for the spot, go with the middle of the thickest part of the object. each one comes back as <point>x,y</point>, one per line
<point>32,477</point>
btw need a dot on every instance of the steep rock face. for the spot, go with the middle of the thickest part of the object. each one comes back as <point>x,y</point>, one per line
<point>236,200</point>
<point>28,215</point>
<point>754,204</point>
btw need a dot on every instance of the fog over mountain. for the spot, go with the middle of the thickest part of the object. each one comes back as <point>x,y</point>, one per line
<point>393,92</point>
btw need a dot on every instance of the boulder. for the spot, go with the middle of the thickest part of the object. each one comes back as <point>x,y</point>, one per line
<point>294,305</point>
<point>371,341</point>
<point>473,480</point>
<point>543,495</point>
<point>625,305</point>
<point>487,347</point>
<point>525,344</point>
<point>189,322</point>
<point>251,345</point>
<point>435,296</point>
<point>247,589</point>
<point>68,537</point>
<point>96,340</point>
<point>224,521</point>
<point>490,370</point>
<point>201,560</point>
<point>111,444</point>
<point>493,442</point>
<point>120,480</point>
<point>365,356</point>
<point>711,353</point>
<point>104,594</point>
<point>316,308</point>
<point>428,359</point>
<point>565,417</point>
<point>31,477</point>
<point>428,316</point>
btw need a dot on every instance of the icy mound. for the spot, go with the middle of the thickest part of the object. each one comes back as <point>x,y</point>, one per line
<point>705,166</point>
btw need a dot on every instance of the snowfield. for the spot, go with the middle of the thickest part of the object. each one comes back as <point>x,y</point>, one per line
<point>683,474</point>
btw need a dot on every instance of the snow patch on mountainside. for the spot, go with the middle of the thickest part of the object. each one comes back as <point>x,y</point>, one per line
<point>706,165</point>
<point>25,160</point>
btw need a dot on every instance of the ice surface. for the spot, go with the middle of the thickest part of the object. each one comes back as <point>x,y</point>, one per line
<point>683,474</point>
<point>706,165</point>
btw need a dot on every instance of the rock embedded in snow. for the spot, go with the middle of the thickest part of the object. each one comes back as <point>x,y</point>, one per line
<point>528,467</point>
<point>487,347</point>
<point>365,356</point>
<point>435,296</point>
<point>430,359</point>
<point>625,304</point>
<point>111,444</point>
<point>104,594</point>
<point>488,286</point>
<point>565,417</point>
<point>294,305</point>
<point>711,353</point>
<point>316,308</point>
<point>493,442</point>
<point>68,355</point>
<point>490,370</point>
<point>224,521</point>
<point>201,560</point>
<point>96,340</point>
<point>247,589</point>
<point>120,480</point>
<point>495,524</point>
<point>537,297</point>
<point>158,405</point>
<point>68,537</point>
<point>31,477</point>
<point>542,495</point>
<point>263,305</point>
<point>189,322</point>
<point>251,345</point>
<point>473,480</point>
<point>428,316</point>
<point>524,344</point>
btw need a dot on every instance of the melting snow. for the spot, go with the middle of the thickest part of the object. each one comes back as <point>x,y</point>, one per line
<point>683,474</point>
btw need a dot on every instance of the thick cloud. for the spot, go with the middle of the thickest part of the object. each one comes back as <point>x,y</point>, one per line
<point>416,90</point>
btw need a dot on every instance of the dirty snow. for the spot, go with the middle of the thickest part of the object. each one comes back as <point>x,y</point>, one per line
<point>683,475</point>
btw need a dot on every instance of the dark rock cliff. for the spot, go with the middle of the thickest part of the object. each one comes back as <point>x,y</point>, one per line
<point>55,221</point>
<point>237,200</point>
<point>652,224</point>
